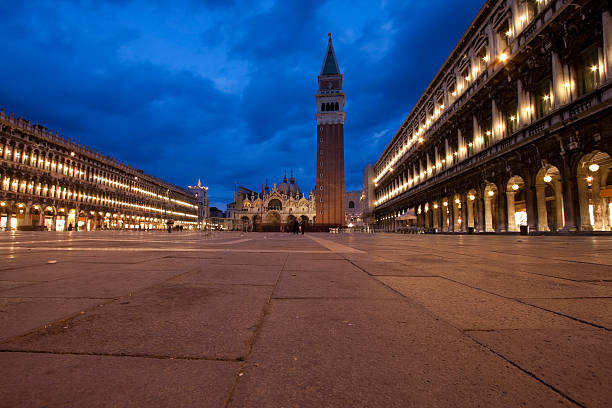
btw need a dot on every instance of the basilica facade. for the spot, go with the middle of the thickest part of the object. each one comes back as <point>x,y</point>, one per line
<point>272,209</point>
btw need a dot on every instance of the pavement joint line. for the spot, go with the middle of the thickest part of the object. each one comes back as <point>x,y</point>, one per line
<point>59,297</point>
<point>554,259</point>
<point>334,246</point>
<point>220,250</point>
<point>529,373</point>
<point>132,355</point>
<point>566,298</point>
<point>333,298</point>
<point>254,337</point>
<point>518,300</point>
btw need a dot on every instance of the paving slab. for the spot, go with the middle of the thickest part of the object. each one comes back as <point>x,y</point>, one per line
<point>99,285</point>
<point>232,275</point>
<point>513,283</point>
<point>320,265</point>
<point>593,310</point>
<point>52,380</point>
<point>470,309</point>
<point>330,284</point>
<point>391,268</point>
<point>19,316</point>
<point>167,320</point>
<point>574,361</point>
<point>385,353</point>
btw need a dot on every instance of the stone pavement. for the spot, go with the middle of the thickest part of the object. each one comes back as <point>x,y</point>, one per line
<point>126,319</point>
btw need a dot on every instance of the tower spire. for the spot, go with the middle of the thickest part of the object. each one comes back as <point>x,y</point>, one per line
<point>330,65</point>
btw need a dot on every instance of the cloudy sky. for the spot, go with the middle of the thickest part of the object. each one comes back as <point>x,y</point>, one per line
<point>221,90</point>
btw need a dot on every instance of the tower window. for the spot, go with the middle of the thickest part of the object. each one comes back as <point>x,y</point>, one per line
<point>351,204</point>
<point>322,107</point>
<point>337,106</point>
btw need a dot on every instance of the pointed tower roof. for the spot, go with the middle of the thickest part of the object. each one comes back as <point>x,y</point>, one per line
<point>330,65</point>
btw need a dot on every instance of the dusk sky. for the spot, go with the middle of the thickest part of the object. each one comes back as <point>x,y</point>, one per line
<point>222,90</point>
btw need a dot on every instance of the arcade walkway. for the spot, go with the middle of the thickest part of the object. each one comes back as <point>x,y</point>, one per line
<point>276,320</point>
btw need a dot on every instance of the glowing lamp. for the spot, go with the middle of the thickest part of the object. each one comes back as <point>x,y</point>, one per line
<point>547,179</point>
<point>472,197</point>
<point>594,167</point>
<point>491,193</point>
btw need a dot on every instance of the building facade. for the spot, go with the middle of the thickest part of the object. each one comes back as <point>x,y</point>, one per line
<point>515,128</point>
<point>272,209</point>
<point>330,142</point>
<point>353,209</point>
<point>47,181</point>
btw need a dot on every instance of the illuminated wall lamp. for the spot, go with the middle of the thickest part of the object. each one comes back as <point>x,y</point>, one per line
<point>547,179</point>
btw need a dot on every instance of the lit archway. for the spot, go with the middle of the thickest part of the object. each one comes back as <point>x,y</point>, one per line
<point>549,198</point>
<point>595,191</point>
<point>517,207</point>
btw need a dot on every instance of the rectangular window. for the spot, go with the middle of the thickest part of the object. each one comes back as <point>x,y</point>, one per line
<point>587,71</point>
<point>543,99</point>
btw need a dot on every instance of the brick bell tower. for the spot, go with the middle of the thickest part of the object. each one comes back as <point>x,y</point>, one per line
<point>330,142</point>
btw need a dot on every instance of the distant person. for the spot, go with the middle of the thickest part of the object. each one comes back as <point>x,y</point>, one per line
<point>303,226</point>
<point>296,227</point>
<point>70,227</point>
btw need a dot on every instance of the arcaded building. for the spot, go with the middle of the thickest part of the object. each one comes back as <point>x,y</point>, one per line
<point>330,142</point>
<point>514,129</point>
<point>49,182</point>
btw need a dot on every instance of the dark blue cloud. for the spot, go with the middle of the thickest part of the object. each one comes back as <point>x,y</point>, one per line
<point>221,90</point>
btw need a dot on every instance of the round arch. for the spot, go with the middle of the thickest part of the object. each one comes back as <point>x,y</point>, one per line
<point>595,191</point>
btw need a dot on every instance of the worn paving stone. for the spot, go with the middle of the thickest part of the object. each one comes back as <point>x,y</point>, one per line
<point>391,268</point>
<point>471,309</point>
<point>574,361</point>
<point>366,353</point>
<point>19,316</point>
<point>232,275</point>
<point>100,285</point>
<point>332,284</point>
<point>50,380</point>
<point>593,310</point>
<point>169,320</point>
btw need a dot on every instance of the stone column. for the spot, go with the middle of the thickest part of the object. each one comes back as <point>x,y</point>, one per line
<point>511,210</point>
<point>542,210</point>
<point>464,212</point>
<point>531,204</point>
<point>571,210</point>
<point>502,207</point>
<point>480,212</point>
<point>26,217</point>
<point>440,216</point>
<point>451,216</point>
<point>488,214</point>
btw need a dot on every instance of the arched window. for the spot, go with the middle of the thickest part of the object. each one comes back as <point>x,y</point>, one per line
<point>351,204</point>
<point>337,106</point>
<point>328,106</point>
<point>322,107</point>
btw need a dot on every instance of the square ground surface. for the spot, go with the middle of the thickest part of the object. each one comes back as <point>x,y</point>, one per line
<point>115,318</point>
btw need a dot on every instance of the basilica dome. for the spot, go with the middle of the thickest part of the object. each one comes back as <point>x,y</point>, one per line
<point>289,187</point>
